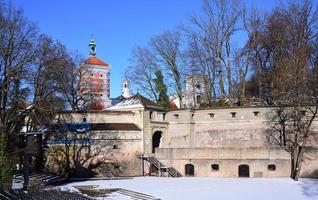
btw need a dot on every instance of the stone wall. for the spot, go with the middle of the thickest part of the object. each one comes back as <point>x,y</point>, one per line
<point>229,137</point>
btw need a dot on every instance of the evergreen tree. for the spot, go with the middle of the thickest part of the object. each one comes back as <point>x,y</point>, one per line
<point>161,88</point>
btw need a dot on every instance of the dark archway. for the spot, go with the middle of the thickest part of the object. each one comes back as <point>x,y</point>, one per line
<point>156,140</point>
<point>244,171</point>
<point>189,170</point>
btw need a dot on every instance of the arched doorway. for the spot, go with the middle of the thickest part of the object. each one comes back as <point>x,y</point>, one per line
<point>189,170</point>
<point>244,171</point>
<point>156,140</point>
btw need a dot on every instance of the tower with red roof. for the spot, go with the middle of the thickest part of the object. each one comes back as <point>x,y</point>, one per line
<point>97,72</point>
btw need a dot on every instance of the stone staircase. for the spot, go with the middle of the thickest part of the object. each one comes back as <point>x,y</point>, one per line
<point>136,195</point>
<point>160,166</point>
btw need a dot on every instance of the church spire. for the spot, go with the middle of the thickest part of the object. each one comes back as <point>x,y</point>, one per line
<point>92,47</point>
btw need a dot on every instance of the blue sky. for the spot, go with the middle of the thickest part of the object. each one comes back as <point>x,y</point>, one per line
<point>117,25</point>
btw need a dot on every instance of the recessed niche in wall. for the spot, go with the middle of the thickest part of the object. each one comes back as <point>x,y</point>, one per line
<point>215,167</point>
<point>256,113</point>
<point>211,115</point>
<point>176,116</point>
<point>233,114</point>
<point>115,146</point>
<point>271,167</point>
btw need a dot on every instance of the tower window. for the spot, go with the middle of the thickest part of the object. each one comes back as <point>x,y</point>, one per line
<point>84,119</point>
<point>198,99</point>
<point>176,116</point>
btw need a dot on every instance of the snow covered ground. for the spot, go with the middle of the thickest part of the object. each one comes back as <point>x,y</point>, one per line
<point>187,188</point>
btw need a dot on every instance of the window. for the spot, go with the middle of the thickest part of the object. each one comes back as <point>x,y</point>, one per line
<point>256,113</point>
<point>101,75</point>
<point>211,115</point>
<point>215,167</point>
<point>303,112</point>
<point>164,116</point>
<point>233,114</point>
<point>271,167</point>
<point>84,119</point>
<point>198,99</point>
<point>116,167</point>
<point>176,116</point>
<point>192,116</point>
<point>92,74</point>
<point>115,146</point>
<point>150,115</point>
<point>198,86</point>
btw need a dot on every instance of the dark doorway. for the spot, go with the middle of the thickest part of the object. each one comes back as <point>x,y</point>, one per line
<point>189,170</point>
<point>156,140</point>
<point>244,171</point>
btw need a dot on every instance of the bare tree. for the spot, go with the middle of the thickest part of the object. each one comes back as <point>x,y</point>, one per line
<point>214,31</point>
<point>142,71</point>
<point>244,57</point>
<point>168,49</point>
<point>293,87</point>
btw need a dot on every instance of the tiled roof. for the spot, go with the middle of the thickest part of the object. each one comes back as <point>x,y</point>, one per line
<point>93,60</point>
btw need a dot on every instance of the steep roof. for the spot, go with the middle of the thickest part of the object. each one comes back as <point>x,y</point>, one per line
<point>136,100</point>
<point>93,60</point>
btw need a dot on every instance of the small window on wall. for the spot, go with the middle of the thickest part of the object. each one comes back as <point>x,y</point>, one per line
<point>211,115</point>
<point>115,146</point>
<point>233,114</point>
<point>150,114</point>
<point>84,119</point>
<point>192,116</point>
<point>256,113</point>
<point>164,116</point>
<point>271,167</point>
<point>215,167</point>
<point>176,116</point>
<point>101,75</point>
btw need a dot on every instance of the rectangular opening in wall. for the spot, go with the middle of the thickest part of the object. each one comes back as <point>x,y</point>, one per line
<point>192,116</point>
<point>164,116</point>
<point>233,114</point>
<point>211,115</point>
<point>256,113</point>
<point>115,146</point>
<point>176,116</point>
<point>150,115</point>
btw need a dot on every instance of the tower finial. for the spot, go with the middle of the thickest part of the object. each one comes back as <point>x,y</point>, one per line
<point>92,47</point>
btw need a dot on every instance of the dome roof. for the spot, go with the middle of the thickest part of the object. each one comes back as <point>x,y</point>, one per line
<point>93,60</point>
